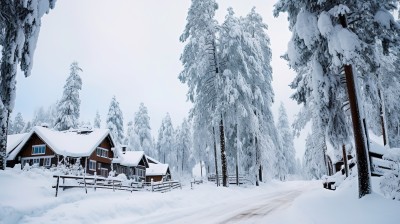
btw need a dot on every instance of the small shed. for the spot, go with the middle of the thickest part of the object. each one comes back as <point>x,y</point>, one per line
<point>158,172</point>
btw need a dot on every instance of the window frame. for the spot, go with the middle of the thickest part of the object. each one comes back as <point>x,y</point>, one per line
<point>36,159</point>
<point>102,152</point>
<point>47,162</point>
<point>39,147</point>
<point>91,166</point>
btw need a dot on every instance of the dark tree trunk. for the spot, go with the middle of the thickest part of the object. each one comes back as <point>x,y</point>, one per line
<point>346,167</point>
<point>260,176</point>
<point>236,156</point>
<point>257,160</point>
<point>223,155</point>
<point>381,110</point>
<point>216,159</point>
<point>364,175</point>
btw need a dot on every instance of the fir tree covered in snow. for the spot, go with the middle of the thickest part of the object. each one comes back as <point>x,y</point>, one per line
<point>132,139</point>
<point>183,147</point>
<point>287,136</point>
<point>141,126</point>
<point>115,121</point>
<point>20,23</point>
<point>165,142</point>
<point>18,124</point>
<point>97,120</point>
<point>69,105</point>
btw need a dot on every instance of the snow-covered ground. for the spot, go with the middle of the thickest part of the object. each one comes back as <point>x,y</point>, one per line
<point>27,197</point>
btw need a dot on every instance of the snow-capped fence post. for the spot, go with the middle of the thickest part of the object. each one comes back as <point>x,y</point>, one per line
<point>170,186</point>
<point>151,183</point>
<point>113,185</point>
<point>57,185</point>
<point>84,181</point>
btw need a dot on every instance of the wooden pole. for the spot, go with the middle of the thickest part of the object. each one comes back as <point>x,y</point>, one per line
<point>364,175</point>
<point>58,182</point>
<point>216,159</point>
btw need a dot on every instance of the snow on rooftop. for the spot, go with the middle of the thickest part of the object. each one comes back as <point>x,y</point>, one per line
<point>14,140</point>
<point>157,169</point>
<point>67,143</point>
<point>129,158</point>
<point>152,160</point>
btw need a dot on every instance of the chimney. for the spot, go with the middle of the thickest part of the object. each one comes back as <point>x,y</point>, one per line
<point>123,149</point>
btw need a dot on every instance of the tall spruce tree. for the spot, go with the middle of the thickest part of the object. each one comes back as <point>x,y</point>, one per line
<point>115,121</point>
<point>97,120</point>
<point>19,123</point>
<point>165,140</point>
<point>68,110</point>
<point>287,137</point>
<point>20,23</point>
<point>141,126</point>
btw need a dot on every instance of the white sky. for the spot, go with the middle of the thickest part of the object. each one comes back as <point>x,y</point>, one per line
<point>131,49</point>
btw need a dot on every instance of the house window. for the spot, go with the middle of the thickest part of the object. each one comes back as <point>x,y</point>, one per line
<point>38,149</point>
<point>104,172</point>
<point>140,172</point>
<point>92,165</point>
<point>99,166</point>
<point>47,161</point>
<point>102,152</point>
<point>36,161</point>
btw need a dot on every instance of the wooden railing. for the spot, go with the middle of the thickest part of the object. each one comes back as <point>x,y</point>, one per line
<point>165,186</point>
<point>231,179</point>
<point>95,182</point>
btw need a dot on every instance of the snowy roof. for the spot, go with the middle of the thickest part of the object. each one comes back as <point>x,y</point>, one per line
<point>130,158</point>
<point>67,143</point>
<point>152,160</point>
<point>14,140</point>
<point>157,169</point>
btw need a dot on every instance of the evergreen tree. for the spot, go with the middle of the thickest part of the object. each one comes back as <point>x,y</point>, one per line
<point>132,139</point>
<point>19,124</point>
<point>324,41</point>
<point>313,161</point>
<point>115,121</point>
<point>142,130</point>
<point>184,147</point>
<point>166,140</point>
<point>287,138</point>
<point>97,121</point>
<point>20,23</point>
<point>69,105</point>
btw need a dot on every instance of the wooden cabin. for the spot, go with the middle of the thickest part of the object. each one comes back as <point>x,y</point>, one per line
<point>44,147</point>
<point>131,163</point>
<point>157,171</point>
<point>12,142</point>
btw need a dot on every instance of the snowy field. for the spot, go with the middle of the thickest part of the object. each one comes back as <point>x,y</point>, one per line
<point>27,197</point>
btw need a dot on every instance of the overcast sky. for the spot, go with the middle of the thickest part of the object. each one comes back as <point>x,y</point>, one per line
<point>131,49</point>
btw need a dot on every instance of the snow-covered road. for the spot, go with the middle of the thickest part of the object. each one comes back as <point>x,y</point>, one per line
<point>242,209</point>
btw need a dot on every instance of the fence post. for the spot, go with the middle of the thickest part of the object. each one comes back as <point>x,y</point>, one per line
<point>113,185</point>
<point>151,183</point>
<point>170,186</point>
<point>95,180</point>
<point>58,181</point>
<point>84,181</point>
<point>63,183</point>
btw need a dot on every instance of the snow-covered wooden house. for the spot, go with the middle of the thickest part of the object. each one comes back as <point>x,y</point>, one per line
<point>131,163</point>
<point>157,171</point>
<point>92,149</point>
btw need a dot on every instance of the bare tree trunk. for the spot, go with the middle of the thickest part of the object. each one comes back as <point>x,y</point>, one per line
<point>223,155</point>
<point>216,159</point>
<point>346,167</point>
<point>382,111</point>
<point>364,175</point>
<point>257,160</point>
<point>236,159</point>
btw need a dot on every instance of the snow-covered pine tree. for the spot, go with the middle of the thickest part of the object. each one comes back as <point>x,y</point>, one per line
<point>184,146</point>
<point>115,121</point>
<point>132,139</point>
<point>337,36</point>
<point>10,127</point>
<point>69,105</point>
<point>142,129</point>
<point>313,160</point>
<point>165,141</point>
<point>202,71</point>
<point>97,120</point>
<point>247,88</point>
<point>20,23</point>
<point>19,123</point>
<point>287,137</point>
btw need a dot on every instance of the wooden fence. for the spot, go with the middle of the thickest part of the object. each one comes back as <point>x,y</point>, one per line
<point>95,182</point>
<point>165,186</point>
<point>231,179</point>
